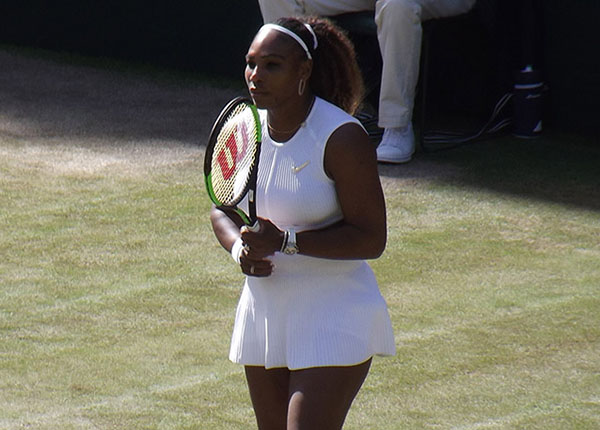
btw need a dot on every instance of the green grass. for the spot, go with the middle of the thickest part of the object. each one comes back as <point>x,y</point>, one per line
<point>116,303</point>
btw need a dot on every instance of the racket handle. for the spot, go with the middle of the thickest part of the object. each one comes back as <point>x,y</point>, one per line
<point>254,228</point>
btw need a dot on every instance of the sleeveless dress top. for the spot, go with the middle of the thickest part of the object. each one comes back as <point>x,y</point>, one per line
<point>311,312</point>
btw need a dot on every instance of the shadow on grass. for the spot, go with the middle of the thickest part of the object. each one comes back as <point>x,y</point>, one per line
<point>560,168</point>
<point>49,98</point>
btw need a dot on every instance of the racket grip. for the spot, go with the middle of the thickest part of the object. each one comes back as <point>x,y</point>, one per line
<point>254,228</point>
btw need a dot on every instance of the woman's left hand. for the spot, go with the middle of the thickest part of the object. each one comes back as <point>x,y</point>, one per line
<point>255,267</point>
<point>264,242</point>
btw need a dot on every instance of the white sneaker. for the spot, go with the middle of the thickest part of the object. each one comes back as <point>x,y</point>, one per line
<point>397,145</point>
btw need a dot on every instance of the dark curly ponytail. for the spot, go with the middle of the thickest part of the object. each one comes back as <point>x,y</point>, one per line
<point>335,75</point>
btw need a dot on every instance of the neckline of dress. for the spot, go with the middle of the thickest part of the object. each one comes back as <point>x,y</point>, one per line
<point>298,130</point>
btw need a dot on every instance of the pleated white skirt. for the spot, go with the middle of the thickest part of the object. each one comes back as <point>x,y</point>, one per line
<point>311,313</point>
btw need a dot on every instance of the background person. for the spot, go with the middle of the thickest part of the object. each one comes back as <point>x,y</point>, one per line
<point>399,33</point>
<point>310,317</point>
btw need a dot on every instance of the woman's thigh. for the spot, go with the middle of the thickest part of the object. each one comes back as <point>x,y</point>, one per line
<point>321,397</point>
<point>269,394</point>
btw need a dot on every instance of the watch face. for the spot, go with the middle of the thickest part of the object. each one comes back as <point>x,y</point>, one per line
<point>291,247</point>
<point>290,250</point>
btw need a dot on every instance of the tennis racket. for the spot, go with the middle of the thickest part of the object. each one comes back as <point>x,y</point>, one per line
<point>231,158</point>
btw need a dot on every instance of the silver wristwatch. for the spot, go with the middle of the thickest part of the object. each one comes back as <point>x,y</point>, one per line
<point>290,247</point>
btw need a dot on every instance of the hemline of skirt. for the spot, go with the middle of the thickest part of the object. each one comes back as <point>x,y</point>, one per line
<point>313,366</point>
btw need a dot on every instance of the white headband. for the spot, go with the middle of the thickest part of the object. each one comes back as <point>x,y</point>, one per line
<point>295,36</point>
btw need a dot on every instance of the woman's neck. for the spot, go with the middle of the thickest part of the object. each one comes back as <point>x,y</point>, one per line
<point>286,121</point>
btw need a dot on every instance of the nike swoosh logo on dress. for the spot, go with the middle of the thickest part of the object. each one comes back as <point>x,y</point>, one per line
<point>300,167</point>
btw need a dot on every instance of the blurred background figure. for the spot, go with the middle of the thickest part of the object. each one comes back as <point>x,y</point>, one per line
<point>399,33</point>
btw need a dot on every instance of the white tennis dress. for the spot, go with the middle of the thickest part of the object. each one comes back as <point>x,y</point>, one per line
<point>310,312</point>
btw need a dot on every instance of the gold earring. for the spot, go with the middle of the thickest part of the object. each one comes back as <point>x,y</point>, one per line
<point>301,87</point>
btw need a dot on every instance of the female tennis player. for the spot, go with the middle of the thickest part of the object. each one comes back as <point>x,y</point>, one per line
<point>310,317</point>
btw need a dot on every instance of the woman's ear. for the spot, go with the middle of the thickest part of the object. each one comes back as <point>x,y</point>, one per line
<point>306,70</point>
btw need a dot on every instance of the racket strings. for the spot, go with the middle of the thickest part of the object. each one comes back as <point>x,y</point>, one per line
<point>234,156</point>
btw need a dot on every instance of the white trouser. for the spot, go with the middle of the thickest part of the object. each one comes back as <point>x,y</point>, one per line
<point>399,32</point>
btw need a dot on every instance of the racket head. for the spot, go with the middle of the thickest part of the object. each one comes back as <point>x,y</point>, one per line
<point>232,153</point>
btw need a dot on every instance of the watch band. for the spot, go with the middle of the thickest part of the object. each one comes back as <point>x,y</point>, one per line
<point>285,240</point>
<point>290,247</point>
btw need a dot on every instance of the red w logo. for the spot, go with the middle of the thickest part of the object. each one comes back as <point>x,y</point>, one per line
<point>231,147</point>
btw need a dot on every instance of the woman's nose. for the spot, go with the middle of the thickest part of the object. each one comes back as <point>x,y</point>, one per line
<point>255,74</point>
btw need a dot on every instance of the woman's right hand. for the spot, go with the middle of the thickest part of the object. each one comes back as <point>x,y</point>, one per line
<point>263,242</point>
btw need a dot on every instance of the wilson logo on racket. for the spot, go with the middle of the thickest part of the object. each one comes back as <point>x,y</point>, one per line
<point>229,156</point>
